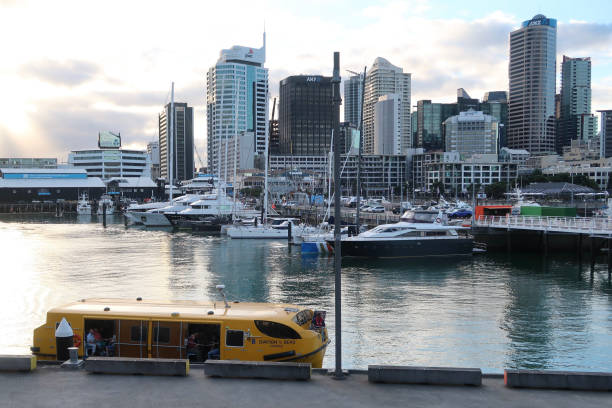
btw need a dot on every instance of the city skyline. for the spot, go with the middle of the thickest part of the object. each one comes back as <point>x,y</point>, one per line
<point>81,72</point>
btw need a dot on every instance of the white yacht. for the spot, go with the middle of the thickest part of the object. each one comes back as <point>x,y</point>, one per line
<point>276,228</point>
<point>134,211</point>
<point>83,206</point>
<point>105,200</point>
<point>216,205</point>
<point>159,216</point>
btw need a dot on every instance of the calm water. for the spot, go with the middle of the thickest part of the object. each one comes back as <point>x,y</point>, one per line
<point>488,311</point>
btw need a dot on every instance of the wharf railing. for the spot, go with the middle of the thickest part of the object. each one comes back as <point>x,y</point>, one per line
<point>577,225</point>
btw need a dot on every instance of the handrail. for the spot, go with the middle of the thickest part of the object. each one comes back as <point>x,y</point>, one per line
<point>568,224</point>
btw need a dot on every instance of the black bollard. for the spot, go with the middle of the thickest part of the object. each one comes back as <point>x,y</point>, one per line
<point>63,340</point>
<point>289,232</point>
<point>104,214</point>
<point>592,253</point>
<point>125,220</point>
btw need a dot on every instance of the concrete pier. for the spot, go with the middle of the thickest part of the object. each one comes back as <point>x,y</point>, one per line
<point>50,386</point>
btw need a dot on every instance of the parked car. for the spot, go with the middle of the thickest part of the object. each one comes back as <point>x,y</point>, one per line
<point>377,209</point>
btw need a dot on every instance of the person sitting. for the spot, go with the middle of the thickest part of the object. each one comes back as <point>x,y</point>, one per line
<point>91,344</point>
<point>100,345</point>
<point>110,346</point>
<point>193,350</point>
<point>214,353</point>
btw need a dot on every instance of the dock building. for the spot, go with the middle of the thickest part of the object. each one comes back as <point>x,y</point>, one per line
<point>28,185</point>
<point>109,163</point>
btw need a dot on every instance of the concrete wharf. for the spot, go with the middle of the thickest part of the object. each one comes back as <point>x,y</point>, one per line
<point>51,386</point>
<point>572,225</point>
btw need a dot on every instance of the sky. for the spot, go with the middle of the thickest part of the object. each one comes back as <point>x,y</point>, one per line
<point>72,68</point>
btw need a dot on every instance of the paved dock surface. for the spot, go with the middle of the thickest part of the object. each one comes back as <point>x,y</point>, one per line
<point>51,386</point>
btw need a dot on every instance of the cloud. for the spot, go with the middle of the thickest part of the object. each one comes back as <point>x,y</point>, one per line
<point>584,38</point>
<point>67,73</point>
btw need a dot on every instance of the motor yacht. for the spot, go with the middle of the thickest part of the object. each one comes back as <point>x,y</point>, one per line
<point>407,240</point>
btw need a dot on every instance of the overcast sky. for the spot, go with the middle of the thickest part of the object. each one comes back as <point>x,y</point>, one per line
<point>72,68</point>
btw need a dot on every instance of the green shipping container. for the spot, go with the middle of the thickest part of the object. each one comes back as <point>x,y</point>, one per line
<point>548,211</point>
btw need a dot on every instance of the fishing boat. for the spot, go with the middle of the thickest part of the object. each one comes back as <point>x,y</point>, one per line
<point>83,206</point>
<point>188,329</point>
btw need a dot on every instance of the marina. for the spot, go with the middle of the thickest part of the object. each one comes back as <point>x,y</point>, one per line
<point>492,311</point>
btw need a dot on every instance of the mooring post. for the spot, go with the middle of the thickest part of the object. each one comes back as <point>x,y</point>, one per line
<point>579,248</point>
<point>289,233</point>
<point>104,214</point>
<point>592,253</point>
<point>508,240</point>
<point>545,242</point>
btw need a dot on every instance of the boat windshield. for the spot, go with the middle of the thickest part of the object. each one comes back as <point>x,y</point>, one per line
<point>303,317</point>
<point>419,216</point>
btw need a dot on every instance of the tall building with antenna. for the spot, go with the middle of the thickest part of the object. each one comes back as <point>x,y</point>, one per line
<point>236,101</point>
<point>532,70</point>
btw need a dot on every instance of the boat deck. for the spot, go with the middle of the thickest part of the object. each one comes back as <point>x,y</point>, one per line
<point>51,386</point>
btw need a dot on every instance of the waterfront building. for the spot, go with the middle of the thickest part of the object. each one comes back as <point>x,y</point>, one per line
<point>430,120</point>
<point>182,143</point>
<point>598,170</point>
<point>153,152</point>
<point>387,124</point>
<point>23,185</point>
<point>380,174</point>
<point>27,163</point>
<point>532,70</point>
<point>518,156</point>
<point>353,92</point>
<point>236,100</point>
<point>471,132</point>
<point>606,133</point>
<point>463,176</point>
<point>384,78</point>
<point>575,118</point>
<point>108,163</point>
<point>305,115</point>
<point>136,188</point>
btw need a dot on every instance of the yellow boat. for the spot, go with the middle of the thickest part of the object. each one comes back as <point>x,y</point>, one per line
<point>188,329</point>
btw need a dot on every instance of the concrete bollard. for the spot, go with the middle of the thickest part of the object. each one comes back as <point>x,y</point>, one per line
<point>63,340</point>
<point>74,361</point>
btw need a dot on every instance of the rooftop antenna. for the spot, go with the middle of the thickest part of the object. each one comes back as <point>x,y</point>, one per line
<point>220,289</point>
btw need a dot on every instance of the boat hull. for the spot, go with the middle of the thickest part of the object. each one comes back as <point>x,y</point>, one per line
<point>257,233</point>
<point>149,219</point>
<point>397,248</point>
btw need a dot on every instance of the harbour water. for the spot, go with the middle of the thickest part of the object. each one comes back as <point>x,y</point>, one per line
<point>491,311</point>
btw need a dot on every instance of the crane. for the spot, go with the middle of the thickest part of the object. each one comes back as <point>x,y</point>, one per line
<point>199,158</point>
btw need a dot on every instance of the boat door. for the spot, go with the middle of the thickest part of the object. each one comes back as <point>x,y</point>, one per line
<point>133,335</point>
<point>167,339</point>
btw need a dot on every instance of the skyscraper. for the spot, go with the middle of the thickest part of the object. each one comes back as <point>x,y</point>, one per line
<point>305,115</point>
<point>430,119</point>
<point>236,100</point>
<point>531,107</point>
<point>382,79</point>
<point>606,133</point>
<point>576,120</point>
<point>182,143</point>
<point>353,90</point>
<point>387,124</point>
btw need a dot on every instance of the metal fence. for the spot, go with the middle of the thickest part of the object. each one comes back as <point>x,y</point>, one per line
<point>560,224</point>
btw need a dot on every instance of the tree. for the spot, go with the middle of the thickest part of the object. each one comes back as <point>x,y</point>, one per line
<point>496,190</point>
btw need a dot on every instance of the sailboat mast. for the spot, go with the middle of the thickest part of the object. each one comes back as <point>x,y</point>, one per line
<point>266,162</point>
<point>171,137</point>
<point>235,152</point>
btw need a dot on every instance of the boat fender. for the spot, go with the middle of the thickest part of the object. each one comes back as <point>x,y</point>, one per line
<point>76,340</point>
<point>438,220</point>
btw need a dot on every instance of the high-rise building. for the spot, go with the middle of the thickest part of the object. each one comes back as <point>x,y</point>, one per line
<point>182,143</point>
<point>353,91</point>
<point>495,96</point>
<point>384,78</point>
<point>387,117</point>
<point>236,101</point>
<point>495,103</point>
<point>575,118</point>
<point>430,120</point>
<point>471,132</point>
<point>465,102</point>
<point>305,115</point>
<point>532,70</point>
<point>153,152</point>
<point>606,133</point>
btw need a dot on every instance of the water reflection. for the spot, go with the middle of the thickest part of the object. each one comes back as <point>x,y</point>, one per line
<point>490,311</point>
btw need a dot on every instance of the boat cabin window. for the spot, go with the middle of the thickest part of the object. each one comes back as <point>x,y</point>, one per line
<point>161,334</point>
<point>276,330</point>
<point>234,338</point>
<point>411,234</point>
<point>138,333</point>
<point>435,233</point>
<point>303,317</point>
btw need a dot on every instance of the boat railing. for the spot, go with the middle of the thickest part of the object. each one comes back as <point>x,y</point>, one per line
<point>569,224</point>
